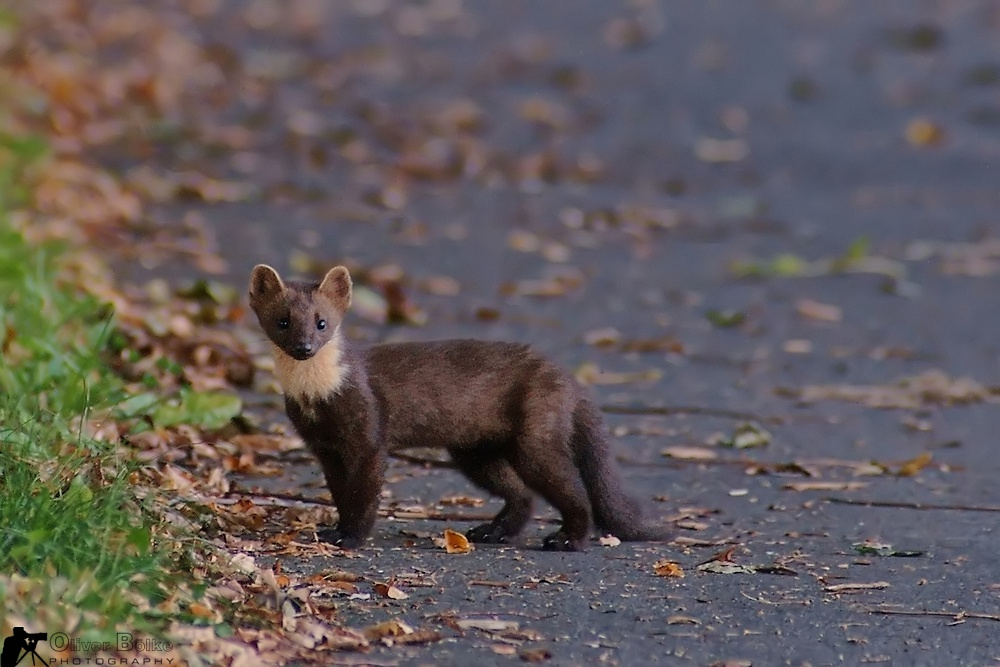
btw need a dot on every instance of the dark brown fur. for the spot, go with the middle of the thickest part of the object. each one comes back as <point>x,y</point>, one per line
<point>515,423</point>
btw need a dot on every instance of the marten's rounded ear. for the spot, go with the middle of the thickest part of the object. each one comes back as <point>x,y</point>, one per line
<point>265,283</point>
<point>336,286</point>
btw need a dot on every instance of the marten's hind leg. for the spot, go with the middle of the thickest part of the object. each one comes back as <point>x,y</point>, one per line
<point>492,472</point>
<point>544,460</point>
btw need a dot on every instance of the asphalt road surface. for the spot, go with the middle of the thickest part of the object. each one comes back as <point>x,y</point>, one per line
<point>597,179</point>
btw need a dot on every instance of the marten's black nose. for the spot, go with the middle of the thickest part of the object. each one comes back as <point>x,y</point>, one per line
<point>303,350</point>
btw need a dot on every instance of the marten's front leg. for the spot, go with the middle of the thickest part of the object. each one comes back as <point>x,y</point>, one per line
<point>355,481</point>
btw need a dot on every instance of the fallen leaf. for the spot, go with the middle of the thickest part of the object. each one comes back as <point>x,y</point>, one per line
<point>781,266</point>
<point>606,337</point>
<point>523,241</point>
<point>667,344</point>
<point>200,610</point>
<point>915,465</point>
<point>712,150</point>
<point>369,304</point>
<point>724,567</point>
<point>823,486</point>
<point>775,568</point>
<point>745,436</point>
<point>464,501</point>
<point>869,548</point>
<point>486,624</point>
<point>456,543</point>
<point>922,132</point>
<point>441,285</point>
<point>854,588</point>
<point>535,654</point>
<point>389,591</point>
<point>487,314</point>
<point>820,312</point>
<point>682,620</point>
<point>391,628</point>
<point>689,453</point>
<point>557,285</point>
<point>425,636</point>
<point>726,319</point>
<point>266,443</point>
<point>590,373</point>
<point>933,387</point>
<point>797,346</point>
<point>668,568</point>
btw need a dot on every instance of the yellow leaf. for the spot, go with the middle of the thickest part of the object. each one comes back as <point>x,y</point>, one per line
<point>913,466</point>
<point>456,543</point>
<point>200,610</point>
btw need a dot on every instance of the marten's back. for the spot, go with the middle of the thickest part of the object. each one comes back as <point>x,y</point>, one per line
<point>463,392</point>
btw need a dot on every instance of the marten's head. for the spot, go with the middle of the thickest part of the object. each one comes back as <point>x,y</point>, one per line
<point>299,317</point>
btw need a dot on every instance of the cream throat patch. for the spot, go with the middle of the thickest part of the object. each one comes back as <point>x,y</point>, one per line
<point>318,377</point>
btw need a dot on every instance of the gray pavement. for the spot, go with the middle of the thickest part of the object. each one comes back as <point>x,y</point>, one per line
<point>645,147</point>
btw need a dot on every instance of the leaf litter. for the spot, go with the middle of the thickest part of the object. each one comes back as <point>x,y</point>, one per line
<point>930,388</point>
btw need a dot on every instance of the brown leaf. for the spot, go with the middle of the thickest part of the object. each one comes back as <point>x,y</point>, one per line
<point>668,344</point>
<point>201,610</point>
<point>820,312</point>
<point>487,314</point>
<point>399,309</point>
<point>391,628</point>
<point>389,591</point>
<point>557,285</point>
<point>933,387</point>
<point>682,620</point>
<point>817,485</point>
<point>441,286</point>
<point>915,465</point>
<point>535,654</point>
<point>708,149</point>
<point>668,568</point>
<point>590,373</point>
<point>463,501</point>
<point>425,636</point>
<point>606,337</point>
<point>689,453</point>
<point>266,443</point>
<point>726,555</point>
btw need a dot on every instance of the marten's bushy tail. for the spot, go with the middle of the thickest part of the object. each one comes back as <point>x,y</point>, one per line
<point>615,511</point>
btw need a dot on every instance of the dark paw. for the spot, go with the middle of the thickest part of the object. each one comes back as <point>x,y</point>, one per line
<point>335,537</point>
<point>559,541</point>
<point>487,533</point>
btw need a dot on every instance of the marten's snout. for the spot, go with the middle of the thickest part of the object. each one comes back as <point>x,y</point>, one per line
<point>302,351</point>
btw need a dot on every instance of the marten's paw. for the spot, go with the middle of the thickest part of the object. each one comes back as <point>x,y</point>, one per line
<point>337,538</point>
<point>487,533</point>
<point>559,541</point>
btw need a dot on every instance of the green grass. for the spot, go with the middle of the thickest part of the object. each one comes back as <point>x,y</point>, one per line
<point>76,546</point>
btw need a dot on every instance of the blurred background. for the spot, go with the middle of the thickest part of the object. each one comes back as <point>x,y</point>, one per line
<point>770,225</point>
<point>711,197</point>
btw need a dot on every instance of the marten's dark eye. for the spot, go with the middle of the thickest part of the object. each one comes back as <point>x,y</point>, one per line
<point>283,323</point>
<point>321,324</point>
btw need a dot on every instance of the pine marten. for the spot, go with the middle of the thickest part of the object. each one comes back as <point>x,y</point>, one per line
<point>513,422</point>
